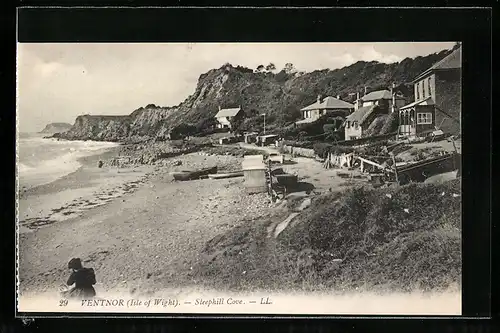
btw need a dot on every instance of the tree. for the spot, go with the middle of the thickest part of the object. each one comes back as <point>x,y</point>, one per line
<point>205,124</point>
<point>333,132</point>
<point>290,114</point>
<point>289,68</point>
<point>236,123</point>
<point>271,67</point>
<point>181,131</point>
<point>260,68</point>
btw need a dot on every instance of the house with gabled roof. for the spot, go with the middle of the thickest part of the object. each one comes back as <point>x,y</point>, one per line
<point>385,99</point>
<point>324,106</point>
<point>225,116</point>
<point>437,102</point>
<point>360,120</point>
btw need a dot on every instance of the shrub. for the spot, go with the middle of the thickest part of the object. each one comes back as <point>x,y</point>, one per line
<point>391,124</point>
<point>182,130</point>
<point>322,149</point>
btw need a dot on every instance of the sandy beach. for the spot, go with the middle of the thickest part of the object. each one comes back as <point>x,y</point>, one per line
<point>129,224</point>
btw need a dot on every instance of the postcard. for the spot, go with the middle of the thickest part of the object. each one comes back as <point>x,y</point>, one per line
<point>239,178</point>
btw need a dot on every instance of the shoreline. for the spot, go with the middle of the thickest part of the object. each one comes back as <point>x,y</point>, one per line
<point>68,196</point>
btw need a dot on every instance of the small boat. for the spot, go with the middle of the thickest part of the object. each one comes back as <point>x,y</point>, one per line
<point>226,175</point>
<point>194,174</point>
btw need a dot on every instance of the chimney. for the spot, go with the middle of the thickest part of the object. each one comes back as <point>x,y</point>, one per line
<point>318,99</point>
<point>219,107</point>
<point>338,96</point>
<point>393,91</point>
<point>358,102</point>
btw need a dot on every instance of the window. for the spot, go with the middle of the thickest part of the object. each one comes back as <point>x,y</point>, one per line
<point>429,86</point>
<point>347,124</point>
<point>417,91</point>
<point>424,118</point>
<point>355,125</point>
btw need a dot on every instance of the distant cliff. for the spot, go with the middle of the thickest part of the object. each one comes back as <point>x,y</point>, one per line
<point>56,128</point>
<point>99,128</point>
<point>279,95</point>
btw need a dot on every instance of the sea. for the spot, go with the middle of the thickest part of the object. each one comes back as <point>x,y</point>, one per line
<point>42,160</point>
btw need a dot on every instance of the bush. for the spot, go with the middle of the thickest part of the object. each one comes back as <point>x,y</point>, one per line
<point>391,124</point>
<point>182,130</point>
<point>322,149</point>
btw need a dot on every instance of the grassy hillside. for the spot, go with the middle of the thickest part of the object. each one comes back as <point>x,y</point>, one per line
<point>399,239</point>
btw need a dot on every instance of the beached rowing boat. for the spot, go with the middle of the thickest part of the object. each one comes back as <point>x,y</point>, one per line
<point>194,174</point>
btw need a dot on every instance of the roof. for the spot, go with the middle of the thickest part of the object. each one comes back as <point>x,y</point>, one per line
<point>268,136</point>
<point>253,162</point>
<point>227,112</point>
<point>361,114</point>
<point>451,61</point>
<point>428,101</point>
<point>329,103</point>
<point>377,95</point>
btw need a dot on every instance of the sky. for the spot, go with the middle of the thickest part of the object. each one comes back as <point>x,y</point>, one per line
<point>58,82</point>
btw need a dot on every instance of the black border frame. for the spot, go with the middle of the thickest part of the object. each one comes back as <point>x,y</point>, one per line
<point>472,26</point>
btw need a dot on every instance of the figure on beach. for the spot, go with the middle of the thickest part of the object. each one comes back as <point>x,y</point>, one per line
<point>83,278</point>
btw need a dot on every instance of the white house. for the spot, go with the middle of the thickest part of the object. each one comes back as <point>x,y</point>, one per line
<point>324,106</point>
<point>224,116</point>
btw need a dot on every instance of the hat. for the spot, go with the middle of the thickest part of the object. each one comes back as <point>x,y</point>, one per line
<point>75,263</point>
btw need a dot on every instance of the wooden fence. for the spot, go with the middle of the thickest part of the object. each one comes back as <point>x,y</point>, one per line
<point>298,151</point>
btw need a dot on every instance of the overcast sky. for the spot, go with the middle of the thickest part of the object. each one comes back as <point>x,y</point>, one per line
<point>57,82</point>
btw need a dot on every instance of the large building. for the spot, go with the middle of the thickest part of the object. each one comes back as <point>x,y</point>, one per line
<point>323,106</point>
<point>437,102</point>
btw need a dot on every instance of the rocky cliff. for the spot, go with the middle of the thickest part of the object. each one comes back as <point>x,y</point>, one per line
<point>277,94</point>
<point>56,128</point>
<point>99,128</point>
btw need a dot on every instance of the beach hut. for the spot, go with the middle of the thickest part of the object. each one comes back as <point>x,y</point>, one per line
<point>254,171</point>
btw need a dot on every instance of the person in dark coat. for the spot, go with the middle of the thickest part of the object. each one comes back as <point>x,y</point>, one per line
<point>83,278</point>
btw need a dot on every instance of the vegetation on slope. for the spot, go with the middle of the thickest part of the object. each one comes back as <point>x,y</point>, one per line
<point>399,239</point>
<point>283,94</point>
<point>279,95</point>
